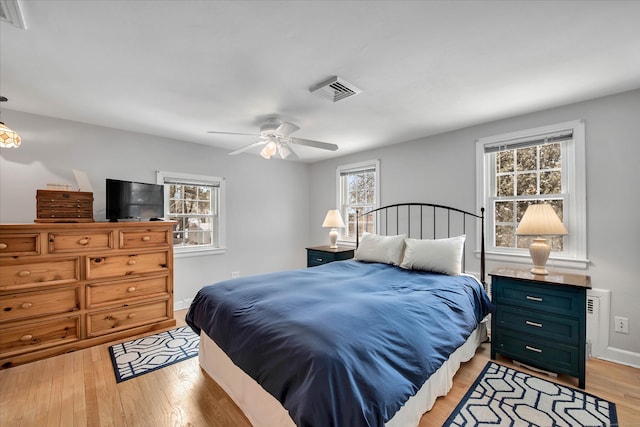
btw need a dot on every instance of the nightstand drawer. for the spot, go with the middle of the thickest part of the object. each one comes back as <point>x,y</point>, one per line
<point>543,354</point>
<point>548,298</point>
<point>319,256</point>
<point>539,324</point>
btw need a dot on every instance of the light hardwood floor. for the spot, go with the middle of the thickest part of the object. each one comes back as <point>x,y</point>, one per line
<point>79,389</point>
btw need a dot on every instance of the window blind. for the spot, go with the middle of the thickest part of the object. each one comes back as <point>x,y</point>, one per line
<point>529,141</point>
<point>357,170</point>
<point>191,182</point>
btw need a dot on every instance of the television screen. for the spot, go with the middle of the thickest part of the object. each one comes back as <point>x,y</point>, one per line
<point>134,200</point>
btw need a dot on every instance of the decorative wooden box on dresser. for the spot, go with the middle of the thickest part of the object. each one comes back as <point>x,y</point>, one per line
<point>541,320</point>
<point>65,286</point>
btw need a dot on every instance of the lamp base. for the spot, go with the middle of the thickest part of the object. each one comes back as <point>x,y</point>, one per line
<point>539,251</point>
<point>539,271</point>
<point>333,238</point>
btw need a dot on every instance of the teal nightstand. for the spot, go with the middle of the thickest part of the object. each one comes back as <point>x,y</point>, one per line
<point>541,320</point>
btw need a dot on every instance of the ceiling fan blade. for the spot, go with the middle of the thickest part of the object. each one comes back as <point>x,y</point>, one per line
<point>232,133</point>
<point>247,147</point>
<point>312,143</point>
<point>286,128</point>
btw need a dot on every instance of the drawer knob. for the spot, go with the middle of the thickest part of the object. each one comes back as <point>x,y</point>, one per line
<point>146,238</point>
<point>26,338</point>
<point>319,259</point>
<point>536,324</point>
<point>131,262</point>
<point>537,350</point>
<point>131,315</point>
<point>26,305</point>
<point>3,246</point>
<point>24,273</point>
<point>536,299</point>
<point>131,289</point>
<point>83,242</point>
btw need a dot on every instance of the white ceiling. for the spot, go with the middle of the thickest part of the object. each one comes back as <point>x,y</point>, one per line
<point>180,68</point>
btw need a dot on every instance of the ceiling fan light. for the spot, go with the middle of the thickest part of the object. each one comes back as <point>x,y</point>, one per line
<point>284,150</point>
<point>8,138</point>
<point>269,149</point>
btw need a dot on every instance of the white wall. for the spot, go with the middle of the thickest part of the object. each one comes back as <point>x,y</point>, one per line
<point>267,201</point>
<point>441,169</point>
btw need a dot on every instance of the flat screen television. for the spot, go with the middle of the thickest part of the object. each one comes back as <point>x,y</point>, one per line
<point>134,200</point>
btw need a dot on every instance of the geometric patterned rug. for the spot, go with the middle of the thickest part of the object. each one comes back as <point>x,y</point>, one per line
<point>506,397</point>
<point>143,355</point>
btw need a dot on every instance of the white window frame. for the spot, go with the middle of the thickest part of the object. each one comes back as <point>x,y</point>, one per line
<point>574,254</point>
<point>163,176</point>
<point>370,164</point>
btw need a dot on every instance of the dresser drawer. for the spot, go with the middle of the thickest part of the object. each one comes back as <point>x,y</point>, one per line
<point>126,265</point>
<point>114,292</point>
<point>82,241</point>
<point>543,354</point>
<point>108,321</point>
<point>22,275</point>
<point>41,303</point>
<point>39,335</point>
<point>19,244</point>
<point>538,324</point>
<point>555,299</point>
<point>133,239</point>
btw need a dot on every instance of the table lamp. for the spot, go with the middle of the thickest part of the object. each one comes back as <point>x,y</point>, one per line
<point>540,220</point>
<point>333,220</point>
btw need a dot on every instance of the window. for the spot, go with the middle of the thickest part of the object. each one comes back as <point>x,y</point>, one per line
<point>358,191</point>
<point>542,165</point>
<point>195,202</point>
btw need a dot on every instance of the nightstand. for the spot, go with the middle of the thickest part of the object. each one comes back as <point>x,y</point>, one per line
<point>324,254</point>
<point>541,320</point>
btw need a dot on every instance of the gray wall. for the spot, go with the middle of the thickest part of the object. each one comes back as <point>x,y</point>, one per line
<point>267,202</point>
<point>276,208</point>
<point>441,169</point>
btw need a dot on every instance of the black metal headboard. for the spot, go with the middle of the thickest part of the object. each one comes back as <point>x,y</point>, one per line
<point>403,214</point>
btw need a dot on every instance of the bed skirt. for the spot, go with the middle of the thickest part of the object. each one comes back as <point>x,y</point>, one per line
<point>264,410</point>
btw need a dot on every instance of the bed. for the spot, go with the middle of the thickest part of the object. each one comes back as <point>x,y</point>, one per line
<point>366,342</point>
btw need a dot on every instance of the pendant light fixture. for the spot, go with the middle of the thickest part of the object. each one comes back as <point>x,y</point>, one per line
<point>8,138</point>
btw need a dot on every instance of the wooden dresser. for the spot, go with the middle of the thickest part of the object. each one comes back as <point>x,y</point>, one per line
<point>65,287</point>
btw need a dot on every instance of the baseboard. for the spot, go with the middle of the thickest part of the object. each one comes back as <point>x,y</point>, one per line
<point>182,304</point>
<point>620,356</point>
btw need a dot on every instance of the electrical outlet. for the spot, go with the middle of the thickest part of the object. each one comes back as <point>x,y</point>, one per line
<point>235,274</point>
<point>622,324</point>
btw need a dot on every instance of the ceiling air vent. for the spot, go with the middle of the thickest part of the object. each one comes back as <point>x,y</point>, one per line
<point>335,89</point>
<point>11,12</point>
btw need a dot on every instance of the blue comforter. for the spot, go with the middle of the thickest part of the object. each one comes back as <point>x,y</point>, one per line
<point>342,344</point>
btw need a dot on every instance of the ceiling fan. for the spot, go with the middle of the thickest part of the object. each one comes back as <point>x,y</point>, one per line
<point>274,137</point>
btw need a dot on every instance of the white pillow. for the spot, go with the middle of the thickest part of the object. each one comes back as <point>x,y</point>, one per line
<point>377,248</point>
<point>438,255</point>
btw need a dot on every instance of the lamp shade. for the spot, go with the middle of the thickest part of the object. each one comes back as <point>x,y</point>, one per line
<point>333,219</point>
<point>8,138</point>
<point>541,220</point>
